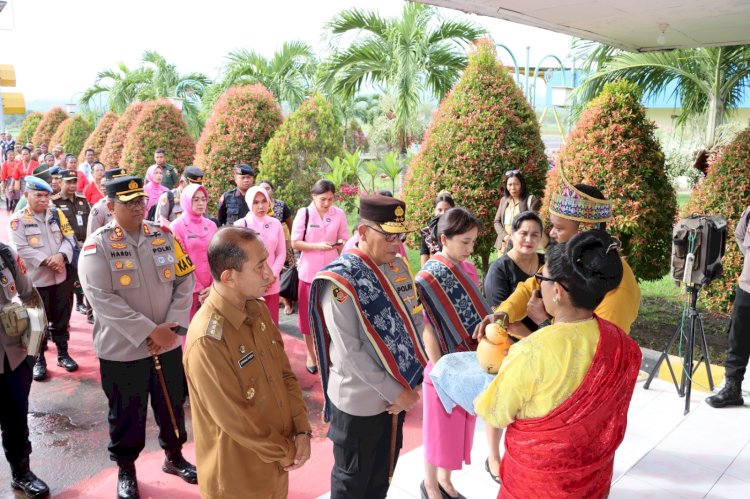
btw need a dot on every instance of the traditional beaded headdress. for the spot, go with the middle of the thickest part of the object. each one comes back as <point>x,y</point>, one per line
<point>572,204</point>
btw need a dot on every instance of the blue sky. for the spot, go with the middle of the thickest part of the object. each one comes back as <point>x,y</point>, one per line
<point>58,46</point>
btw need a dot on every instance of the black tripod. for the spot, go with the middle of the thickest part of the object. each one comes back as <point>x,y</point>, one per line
<point>688,366</point>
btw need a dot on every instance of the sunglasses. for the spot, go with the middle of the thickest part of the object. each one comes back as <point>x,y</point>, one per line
<point>541,278</point>
<point>389,238</point>
<point>510,173</point>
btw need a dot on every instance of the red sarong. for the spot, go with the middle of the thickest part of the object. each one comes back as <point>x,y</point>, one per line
<point>571,451</point>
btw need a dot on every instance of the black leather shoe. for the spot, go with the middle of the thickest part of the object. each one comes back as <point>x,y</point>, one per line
<point>731,394</point>
<point>66,361</point>
<point>39,373</point>
<point>28,482</point>
<point>90,320</point>
<point>177,465</point>
<point>127,483</point>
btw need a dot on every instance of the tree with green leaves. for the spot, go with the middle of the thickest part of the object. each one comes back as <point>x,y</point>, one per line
<point>72,134</point>
<point>295,155</point>
<point>155,79</point>
<point>288,74</point>
<point>709,81</point>
<point>407,56</point>
<point>48,126</point>
<point>28,127</point>
<point>482,129</point>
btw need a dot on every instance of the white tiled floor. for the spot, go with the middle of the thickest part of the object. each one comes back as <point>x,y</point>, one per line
<point>664,454</point>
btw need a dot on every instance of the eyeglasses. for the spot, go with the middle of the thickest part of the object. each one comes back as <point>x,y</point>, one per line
<point>510,173</point>
<point>389,238</point>
<point>134,204</point>
<point>540,278</point>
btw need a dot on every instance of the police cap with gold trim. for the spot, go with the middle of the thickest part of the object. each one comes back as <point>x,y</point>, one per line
<point>113,173</point>
<point>388,212</point>
<point>69,175</point>
<point>125,188</point>
<point>193,175</point>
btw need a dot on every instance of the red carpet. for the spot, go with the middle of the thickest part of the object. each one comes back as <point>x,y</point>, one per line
<point>310,481</point>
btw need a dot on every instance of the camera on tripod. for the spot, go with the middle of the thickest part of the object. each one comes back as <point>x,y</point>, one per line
<point>698,247</point>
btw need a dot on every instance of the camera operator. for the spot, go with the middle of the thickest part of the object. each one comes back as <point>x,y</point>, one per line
<point>739,328</point>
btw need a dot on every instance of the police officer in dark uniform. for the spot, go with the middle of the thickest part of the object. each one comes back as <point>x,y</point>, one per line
<point>15,375</point>
<point>76,209</point>
<point>232,205</point>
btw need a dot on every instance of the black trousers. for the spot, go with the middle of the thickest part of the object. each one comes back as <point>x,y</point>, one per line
<point>739,337</point>
<point>128,386</point>
<point>58,304</point>
<point>15,386</point>
<point>361,453</point>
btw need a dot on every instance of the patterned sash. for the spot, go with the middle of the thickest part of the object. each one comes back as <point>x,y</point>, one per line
<point>383,316</point>
<point>452,302</point>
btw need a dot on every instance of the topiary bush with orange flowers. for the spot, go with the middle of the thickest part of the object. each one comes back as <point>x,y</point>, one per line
<point>295,155</point>
<point>112,151</point>
<point>242,121</point>
<point>98,137</point>
<point>48,126</point>
<point>613,148</point>
<point>28,127</point>
<point>72,134</point>
<point>483,128</point>
<point>160,124</point>
<point>725,191</point>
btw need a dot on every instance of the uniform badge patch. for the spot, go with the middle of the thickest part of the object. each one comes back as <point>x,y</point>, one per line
<point>21,264</point>
<point>215,326</point>
<point>13,224</point>
<point>119,246</point>
<point>34,241</point>
<point>246,359</point>
<point>400,279</point>
<point>339,295</point>
<point>89,249</point>
<point>129,264</point>
<point>3,280</point>
<point>167,273</point>
<point>12,288</point>
<point>164,201</point>
<point>119,265</point>
<point>158,242</point>
<point>146,230</point>
<point>125,280</point>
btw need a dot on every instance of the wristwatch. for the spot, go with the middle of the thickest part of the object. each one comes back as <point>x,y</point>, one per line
<point>544,323</point>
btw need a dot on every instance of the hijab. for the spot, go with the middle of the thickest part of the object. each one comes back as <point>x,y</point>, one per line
<point>151,188</point>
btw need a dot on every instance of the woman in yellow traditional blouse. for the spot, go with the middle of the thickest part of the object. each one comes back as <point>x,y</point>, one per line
<point>564,391</point>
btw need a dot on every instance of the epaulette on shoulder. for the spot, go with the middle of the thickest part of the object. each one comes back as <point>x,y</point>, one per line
<point>108,226</point>
<point>215,326</point>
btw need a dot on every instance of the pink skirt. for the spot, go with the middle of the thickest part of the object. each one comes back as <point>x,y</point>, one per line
<point>303,298</point>
<point>448,438</point>
<point>272,302</point>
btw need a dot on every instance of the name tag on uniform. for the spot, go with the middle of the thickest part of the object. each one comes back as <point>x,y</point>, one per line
<point>246,359</point>
<point>79,219</point>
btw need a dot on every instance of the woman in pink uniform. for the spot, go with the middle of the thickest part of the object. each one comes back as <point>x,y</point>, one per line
<point>153,186</point>
<point>318,233</point>
<point>272,234</point>
<point>194,231</point>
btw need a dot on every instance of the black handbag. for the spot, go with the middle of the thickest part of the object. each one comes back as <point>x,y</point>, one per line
<point>289,280</point>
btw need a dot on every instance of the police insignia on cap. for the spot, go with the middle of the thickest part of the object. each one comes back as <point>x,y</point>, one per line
<point>133,184</point>
<point>125,280</point>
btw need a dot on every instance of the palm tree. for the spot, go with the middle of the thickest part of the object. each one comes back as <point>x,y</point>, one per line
<point>120,86</point>
<point>709,81</point>
<point>407,56</point>
<point>166,81</point>
<point>155,79</point>
<point>288,74</point>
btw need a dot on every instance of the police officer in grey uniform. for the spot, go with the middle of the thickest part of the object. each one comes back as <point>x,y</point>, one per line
<point>140,284</point>
<point>364,398</point>
<point>168,206</point>
<point>15,375</point>
<point>44,239</point>
<point>232,205</point>
<point>100,214</point>
<point>76,209</point>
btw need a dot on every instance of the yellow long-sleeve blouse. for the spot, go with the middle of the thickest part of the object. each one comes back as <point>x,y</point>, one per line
<point>540,373</point>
